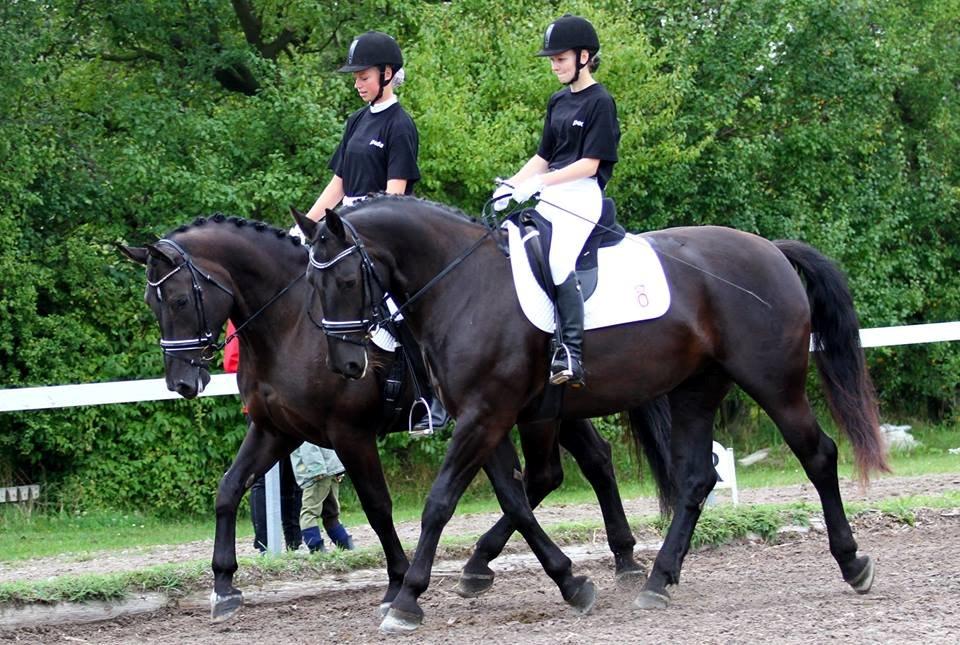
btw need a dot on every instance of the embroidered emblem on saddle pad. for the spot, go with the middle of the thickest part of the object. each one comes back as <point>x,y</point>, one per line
<point>630,284</point>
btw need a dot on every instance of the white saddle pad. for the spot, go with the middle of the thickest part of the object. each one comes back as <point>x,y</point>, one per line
<point>631,285</point>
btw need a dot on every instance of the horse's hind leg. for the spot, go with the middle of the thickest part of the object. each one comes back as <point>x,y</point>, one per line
<point>594,457</point>
<point>693,407</point>
<point>818,455</point>
<point>257,453</point>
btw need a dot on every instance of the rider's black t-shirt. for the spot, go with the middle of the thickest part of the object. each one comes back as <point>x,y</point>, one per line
<point>376,147</point>
<point>581,125</point>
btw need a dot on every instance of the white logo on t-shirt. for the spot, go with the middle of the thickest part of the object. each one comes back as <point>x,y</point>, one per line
<point>374,142</point>
<point>577,122</point>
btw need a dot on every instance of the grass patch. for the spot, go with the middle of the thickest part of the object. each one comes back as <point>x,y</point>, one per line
<point>170,578</point>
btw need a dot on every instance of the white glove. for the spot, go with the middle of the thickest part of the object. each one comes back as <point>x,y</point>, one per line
<point>527,189</point>
<point>502,190</point>
<point>296,232</point>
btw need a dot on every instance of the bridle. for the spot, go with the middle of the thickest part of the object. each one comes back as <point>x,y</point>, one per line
<point>204,340</point>
<point>380,313</point>
<point>205,335</point>
<point>345,330</point>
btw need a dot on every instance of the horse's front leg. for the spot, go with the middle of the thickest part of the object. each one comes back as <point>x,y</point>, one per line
<point>257,453</point>
<point>503,469</point>
<point>542,475</point>
<point>357,450</point>
<point>473,444</point>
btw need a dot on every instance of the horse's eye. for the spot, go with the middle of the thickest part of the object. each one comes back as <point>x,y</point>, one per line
<point>181,302</point>
<point>350,283</point>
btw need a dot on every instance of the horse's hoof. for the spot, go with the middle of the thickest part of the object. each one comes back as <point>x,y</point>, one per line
<point>862,582</point>
<point>400,622</point>
<point>584,599</point>
<point>648,599</point>
<point>223,608</point>
<point>631,577</point>
<point>472,585</point>
<point>382,610</point>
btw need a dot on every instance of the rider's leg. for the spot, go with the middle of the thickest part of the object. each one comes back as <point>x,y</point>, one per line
<point>574,209</point>
<point>567,363</point>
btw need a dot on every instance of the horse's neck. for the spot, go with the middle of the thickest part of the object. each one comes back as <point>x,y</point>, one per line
<point>456,293</point>
<point>258,279</point>
<point>423,249</point>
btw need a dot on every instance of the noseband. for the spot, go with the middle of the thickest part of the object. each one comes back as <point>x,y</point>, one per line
<point>205,336</point>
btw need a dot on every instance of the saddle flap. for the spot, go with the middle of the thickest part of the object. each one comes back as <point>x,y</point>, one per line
<point>537,234</point>
<point>630,282</point>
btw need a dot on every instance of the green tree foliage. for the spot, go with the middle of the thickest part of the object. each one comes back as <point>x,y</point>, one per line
<point>836,123</point>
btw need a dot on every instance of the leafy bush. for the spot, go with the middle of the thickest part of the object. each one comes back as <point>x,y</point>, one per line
<point>836,123</point>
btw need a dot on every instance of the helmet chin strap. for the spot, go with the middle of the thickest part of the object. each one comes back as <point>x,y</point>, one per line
<point>578,65</point>
<point>383,83</point>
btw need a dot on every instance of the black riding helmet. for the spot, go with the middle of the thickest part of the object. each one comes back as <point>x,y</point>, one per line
<point>570,32</point>
<point>373,49</point>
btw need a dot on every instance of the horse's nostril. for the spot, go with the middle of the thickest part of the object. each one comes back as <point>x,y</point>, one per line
<point>186,390</point>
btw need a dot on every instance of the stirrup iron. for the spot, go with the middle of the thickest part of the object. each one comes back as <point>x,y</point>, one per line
<point>564,375</point>
<point>426,431</point>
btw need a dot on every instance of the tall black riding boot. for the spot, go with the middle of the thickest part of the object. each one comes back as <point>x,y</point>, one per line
<point>566,365</point>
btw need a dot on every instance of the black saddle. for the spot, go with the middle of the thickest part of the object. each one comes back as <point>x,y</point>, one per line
<point>537,233</point>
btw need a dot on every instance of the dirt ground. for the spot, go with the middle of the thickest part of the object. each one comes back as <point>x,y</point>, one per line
<point>788,592</point>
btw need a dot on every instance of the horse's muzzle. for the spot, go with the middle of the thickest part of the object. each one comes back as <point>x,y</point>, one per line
<point>192,388</point>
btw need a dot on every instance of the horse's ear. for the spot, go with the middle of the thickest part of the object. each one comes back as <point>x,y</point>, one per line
<point>157,253</point>
<point>335,224</point>
<point>307,225</point>
<point>136,253</point>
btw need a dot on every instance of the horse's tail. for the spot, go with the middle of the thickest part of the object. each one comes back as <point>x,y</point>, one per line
<point>650,429</point>
<point>838,355</point>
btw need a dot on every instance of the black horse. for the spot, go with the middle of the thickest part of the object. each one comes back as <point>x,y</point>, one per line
<point>739,314</point>
<point>201,274</point>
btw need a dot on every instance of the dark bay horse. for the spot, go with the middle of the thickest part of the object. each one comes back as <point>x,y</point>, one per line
<point>220,268</point>
<point>739,313</point>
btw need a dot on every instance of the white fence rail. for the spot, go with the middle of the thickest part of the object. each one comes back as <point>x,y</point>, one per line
<point>65,396</point>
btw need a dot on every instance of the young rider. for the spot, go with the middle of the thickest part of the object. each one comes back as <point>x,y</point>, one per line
<point>573,163</point>
<point>378,151</point>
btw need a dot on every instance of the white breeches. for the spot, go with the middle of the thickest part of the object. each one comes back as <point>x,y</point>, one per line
<point>570,232</point>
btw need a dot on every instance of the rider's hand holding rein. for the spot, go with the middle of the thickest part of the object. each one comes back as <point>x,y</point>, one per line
<point>380,143</point>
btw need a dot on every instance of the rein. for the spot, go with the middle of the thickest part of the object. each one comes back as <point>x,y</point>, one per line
<point>343,328</point>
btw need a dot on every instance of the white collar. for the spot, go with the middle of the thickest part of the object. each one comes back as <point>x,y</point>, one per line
<point>380,107</point>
